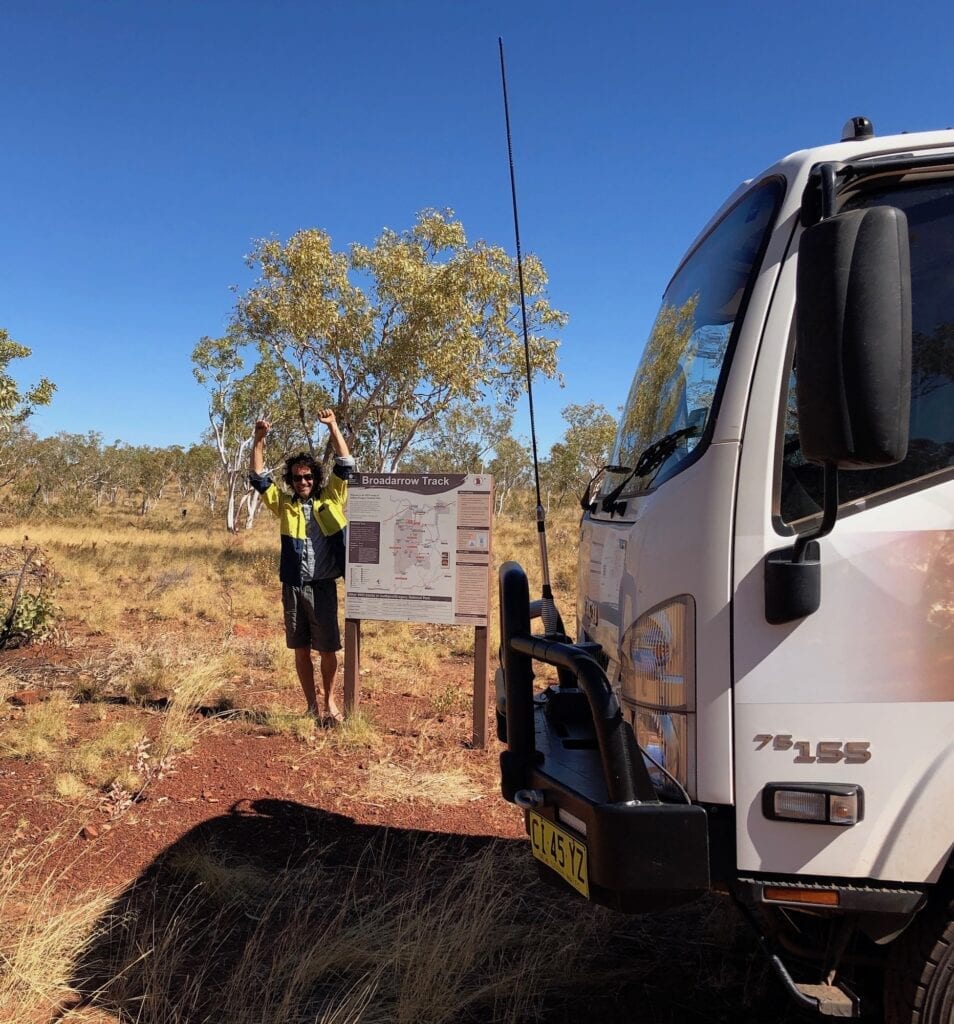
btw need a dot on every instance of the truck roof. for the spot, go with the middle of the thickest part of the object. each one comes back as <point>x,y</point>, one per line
<point>858,149</point>
<point>796,166</point>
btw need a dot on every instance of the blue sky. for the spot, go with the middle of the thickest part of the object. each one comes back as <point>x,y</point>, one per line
<point>147,144</point>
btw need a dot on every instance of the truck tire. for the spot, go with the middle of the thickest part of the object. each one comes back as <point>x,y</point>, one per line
<point>919,981</point>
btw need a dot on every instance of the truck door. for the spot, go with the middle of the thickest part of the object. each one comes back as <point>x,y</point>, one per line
<point>862,691</point>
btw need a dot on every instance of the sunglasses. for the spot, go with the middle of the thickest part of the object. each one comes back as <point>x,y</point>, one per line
<point>302,476</point>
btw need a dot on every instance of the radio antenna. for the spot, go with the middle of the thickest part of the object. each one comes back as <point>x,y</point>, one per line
<point>548,608</point>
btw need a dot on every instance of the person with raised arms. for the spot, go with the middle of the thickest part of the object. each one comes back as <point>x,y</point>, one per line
<point>311,522</point>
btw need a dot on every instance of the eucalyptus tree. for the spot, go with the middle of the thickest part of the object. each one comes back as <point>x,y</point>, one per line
<point>589,439</point>
<point>395,334</point>
<point>584,449</point>
<point>461,440</point>
<point>236,400</point>
<point>151,470</point>
<point>512,469</point>
<point>202,477</point>
<point>16,407</point>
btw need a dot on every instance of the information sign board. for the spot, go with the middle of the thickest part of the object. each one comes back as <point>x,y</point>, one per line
<point>419,547</point>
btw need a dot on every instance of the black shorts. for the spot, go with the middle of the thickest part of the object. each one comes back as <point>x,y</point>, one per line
<point>311,615</point>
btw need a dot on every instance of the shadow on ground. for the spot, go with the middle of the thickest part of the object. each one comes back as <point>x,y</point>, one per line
<point>277,913</point>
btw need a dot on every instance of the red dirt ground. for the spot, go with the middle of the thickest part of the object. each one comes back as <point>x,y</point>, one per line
<point>267,796</point>
<point>234,762</point>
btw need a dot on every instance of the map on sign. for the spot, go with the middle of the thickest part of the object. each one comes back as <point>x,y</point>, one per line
<point>419,547</point>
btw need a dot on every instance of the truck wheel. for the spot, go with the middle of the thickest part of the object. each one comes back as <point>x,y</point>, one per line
<point>919,982</point>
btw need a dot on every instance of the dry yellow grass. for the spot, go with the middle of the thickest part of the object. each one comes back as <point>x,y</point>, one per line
<point>197,684</point>
<point>70,787</point>
<point>120,757</point>
<point>399,939</point>
<point>9,684</point>
<point>389,782</point>
<point>166,599</point>
<point>356,733</point>
<point>104,760</point>
<point>168,594</point>
<point>40,731</point>
<point>118,568</point>
<point>154,671</point>
<point>429,934</point>
<point>451,699</point>
<point>283,722</point>
<point>44,926</point>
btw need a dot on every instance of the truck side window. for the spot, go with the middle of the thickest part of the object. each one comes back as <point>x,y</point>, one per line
<point>677,384</point>
<point>930,212</point>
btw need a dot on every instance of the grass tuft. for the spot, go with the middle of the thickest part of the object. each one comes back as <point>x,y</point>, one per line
<point>197,684</point>
<point>39,732</point>
<point>70,787</point>
<point>44,927</point>
<point>395,783</point>
<point>356,732</point>
<point>451,700</point>
<point>102,761</point>
<point>282,722</point>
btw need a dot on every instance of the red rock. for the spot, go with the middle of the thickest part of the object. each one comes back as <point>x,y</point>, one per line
<point>89,832</point>
<point>26,697</point>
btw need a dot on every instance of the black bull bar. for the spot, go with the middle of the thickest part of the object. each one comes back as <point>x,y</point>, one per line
<point>573,759</point>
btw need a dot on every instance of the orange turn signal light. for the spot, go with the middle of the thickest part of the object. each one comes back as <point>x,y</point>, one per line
<point>815,897</point>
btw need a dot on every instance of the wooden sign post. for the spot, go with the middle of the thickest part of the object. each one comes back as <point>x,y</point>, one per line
<point>481,680</point>
<point>352,677</point>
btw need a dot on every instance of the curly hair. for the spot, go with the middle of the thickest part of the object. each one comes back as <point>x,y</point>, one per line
<point>303,459</point>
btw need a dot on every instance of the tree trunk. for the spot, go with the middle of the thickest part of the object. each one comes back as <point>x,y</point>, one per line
<point>252,505</point>
<point>230,509</point>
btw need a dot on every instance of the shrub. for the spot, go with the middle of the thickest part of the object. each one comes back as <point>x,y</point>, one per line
<point>28,611</point>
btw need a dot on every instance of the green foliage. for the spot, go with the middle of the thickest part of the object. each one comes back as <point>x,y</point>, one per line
<point>584,449</point>
<point>34,618</point>
<point>451,700</point>
<point>396,334</point>
<point>511,467</point>
<point>589,436</point>
<point>236,400</point>
<point>28,610</point>
<point>461,440</point>
<point>17,406</point>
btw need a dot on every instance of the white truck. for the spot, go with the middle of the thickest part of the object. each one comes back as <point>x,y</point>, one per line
<point>760,698</point>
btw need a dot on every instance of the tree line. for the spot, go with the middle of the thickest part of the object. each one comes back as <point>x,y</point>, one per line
<point>416,341</point>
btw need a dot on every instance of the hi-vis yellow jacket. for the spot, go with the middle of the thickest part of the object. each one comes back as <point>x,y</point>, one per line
<point>328,508</point>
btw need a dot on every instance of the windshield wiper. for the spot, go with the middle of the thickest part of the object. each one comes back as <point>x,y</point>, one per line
<point>596,480</point>
<point>649,461</point>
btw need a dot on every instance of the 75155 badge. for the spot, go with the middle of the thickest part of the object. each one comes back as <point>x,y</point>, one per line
<point>820,751</point>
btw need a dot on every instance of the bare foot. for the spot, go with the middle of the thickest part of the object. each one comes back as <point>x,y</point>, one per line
<point>332,713</point>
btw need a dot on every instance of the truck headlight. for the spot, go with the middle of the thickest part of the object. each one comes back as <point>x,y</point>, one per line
<point>658,686</point>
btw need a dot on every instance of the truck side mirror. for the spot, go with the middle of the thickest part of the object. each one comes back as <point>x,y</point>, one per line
<point>853,339</point>
<point>853,359</point>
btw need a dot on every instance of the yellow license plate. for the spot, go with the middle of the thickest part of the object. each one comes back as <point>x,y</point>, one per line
<point>560,851</point>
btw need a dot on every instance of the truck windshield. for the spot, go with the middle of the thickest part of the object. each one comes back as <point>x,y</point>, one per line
<point>677,382</point>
